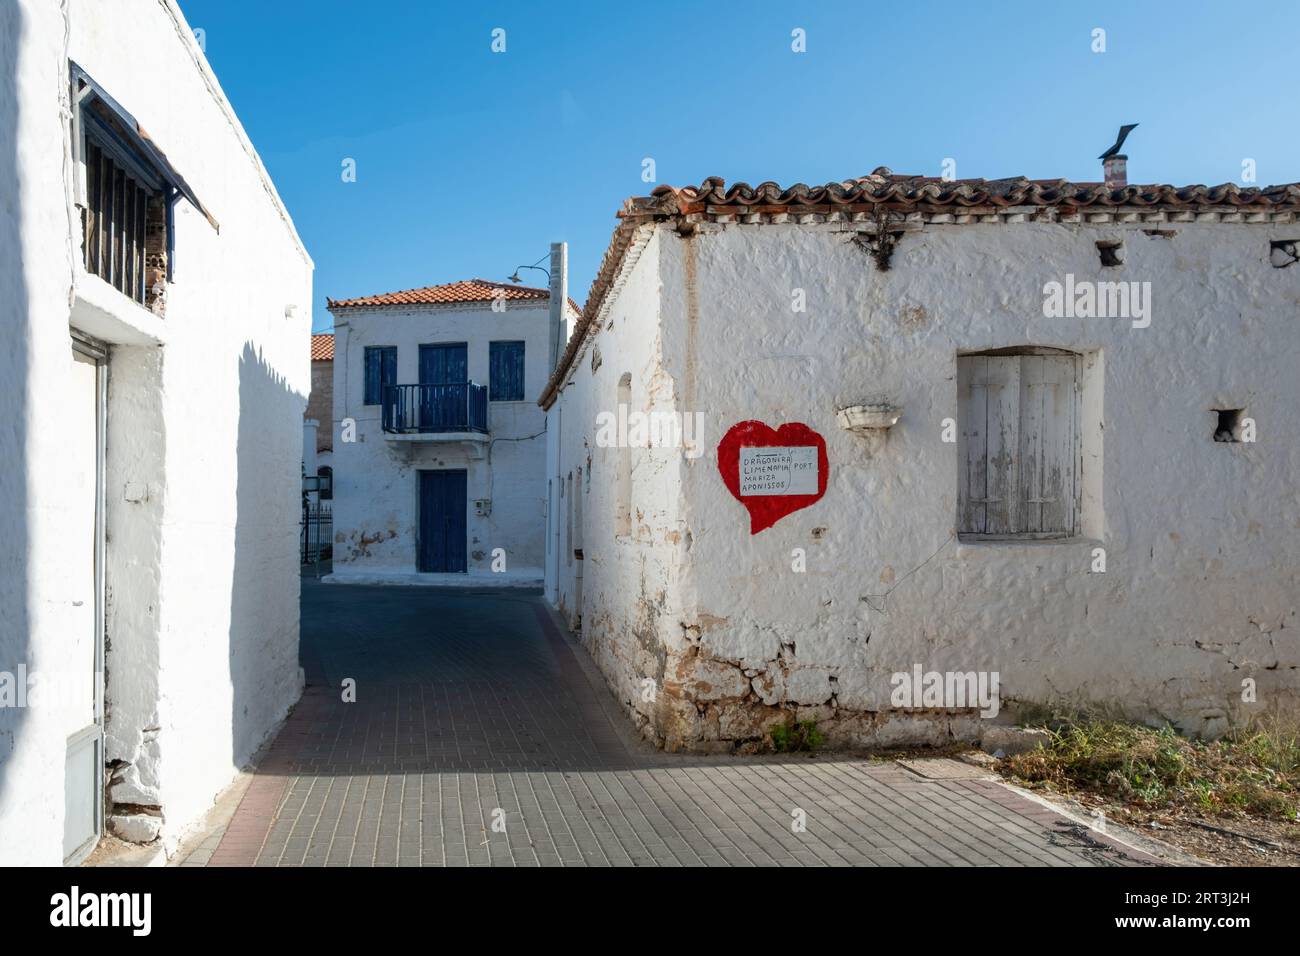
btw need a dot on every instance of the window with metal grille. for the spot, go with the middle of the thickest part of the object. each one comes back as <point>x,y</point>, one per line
<point>125,209</point>
<point>1018,451</point>
<point>120,211</point>
<point>506,371</point>
<point>126,191</point>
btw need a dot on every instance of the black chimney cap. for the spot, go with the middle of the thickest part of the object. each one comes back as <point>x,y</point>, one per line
<point>1119,143</point>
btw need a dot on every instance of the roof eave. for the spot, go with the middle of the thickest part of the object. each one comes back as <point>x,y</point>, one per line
<point>667,203</point>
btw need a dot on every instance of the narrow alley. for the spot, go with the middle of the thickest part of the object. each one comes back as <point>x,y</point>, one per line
<point>481,735</point>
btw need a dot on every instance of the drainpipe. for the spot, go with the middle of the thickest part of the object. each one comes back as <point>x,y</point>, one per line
<point>554,509</point>
<point>559,290</point>
<point>559,300</point>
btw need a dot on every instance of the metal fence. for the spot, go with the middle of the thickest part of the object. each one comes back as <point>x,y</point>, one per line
<point>316,533</point>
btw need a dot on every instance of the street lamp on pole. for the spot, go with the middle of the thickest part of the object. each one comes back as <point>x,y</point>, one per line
<point>515,278</point>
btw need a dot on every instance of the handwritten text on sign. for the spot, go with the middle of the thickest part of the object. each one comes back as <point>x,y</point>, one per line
<point>778,471</point>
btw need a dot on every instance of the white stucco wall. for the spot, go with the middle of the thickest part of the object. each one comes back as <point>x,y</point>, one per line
<point>33,308</point>
<point>376,477</point>
<point>625,595</point>
<point>203,439</point>
<point>1202,552</point>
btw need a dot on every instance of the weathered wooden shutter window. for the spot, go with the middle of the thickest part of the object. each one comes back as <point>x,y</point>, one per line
<point>990,396</point>
<point>506,371</point>
<point>381,370</point>
<point>1018,447</point>
<point>1048,443</point>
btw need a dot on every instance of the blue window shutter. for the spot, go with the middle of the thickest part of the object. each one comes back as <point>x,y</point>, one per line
<point>381,370</point>
<point>374,357</point>
<point>444,363</point>
<point>494,371</point>
<point>506,371</point>
<point>389,373</point>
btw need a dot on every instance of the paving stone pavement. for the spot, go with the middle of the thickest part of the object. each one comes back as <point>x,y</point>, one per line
<point>482,735</point>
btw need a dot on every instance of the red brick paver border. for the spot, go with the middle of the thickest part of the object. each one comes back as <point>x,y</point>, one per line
<point>246,832</point>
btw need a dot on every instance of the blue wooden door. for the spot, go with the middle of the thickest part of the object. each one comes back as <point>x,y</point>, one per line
<point>444,370</point>
<point>442,545</point>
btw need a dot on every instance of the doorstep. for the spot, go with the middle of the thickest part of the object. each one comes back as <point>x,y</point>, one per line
<point>527,578</point>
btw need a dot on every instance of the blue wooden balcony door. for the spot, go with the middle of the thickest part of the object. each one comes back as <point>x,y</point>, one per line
<point>442,543</point>
<point>443,409</point>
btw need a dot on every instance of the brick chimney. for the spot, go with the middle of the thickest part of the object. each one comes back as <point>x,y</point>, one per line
<point>1116,171</point>
<point>1114,164</point>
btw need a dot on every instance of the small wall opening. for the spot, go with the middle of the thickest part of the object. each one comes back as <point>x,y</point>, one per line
<point>1284,252</point>
<point>1109,250</point>
<point>1228,425</point>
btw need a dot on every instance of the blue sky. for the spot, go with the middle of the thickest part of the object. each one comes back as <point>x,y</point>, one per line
<point>469,162</point>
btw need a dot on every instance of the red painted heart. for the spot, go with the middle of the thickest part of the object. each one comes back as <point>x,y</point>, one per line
<point>760,480</point>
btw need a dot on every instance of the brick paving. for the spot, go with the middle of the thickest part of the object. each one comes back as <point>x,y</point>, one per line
<point>481,735</point>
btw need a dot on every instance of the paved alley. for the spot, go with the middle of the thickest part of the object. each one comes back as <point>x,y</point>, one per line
<point>481,735</point>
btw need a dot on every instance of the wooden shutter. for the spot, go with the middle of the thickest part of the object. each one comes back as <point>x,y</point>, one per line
<point>506,371</point>
<point>444,364</point>
<point>1018,447</point>
<point>374,360</point>
<point>1047,443</point>
<point>381,370</point>
<point>972,450</point>
<point>989,396</point>
<point>388,370</point>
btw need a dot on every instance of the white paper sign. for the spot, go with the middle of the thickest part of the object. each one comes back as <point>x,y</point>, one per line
<point>778,471</point>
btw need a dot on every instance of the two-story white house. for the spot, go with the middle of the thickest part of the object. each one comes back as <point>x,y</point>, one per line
<point>440,446</point>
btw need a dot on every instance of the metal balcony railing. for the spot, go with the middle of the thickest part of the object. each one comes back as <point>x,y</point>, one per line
<point>435,408</point>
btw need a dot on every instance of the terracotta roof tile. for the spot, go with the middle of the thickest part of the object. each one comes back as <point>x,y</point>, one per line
<point>322,347</point>
<point>883,190</point>
<point>467,290</point>
<point>883,186</point>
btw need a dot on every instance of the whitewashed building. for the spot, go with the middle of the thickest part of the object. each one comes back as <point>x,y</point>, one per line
<point>816,448</point>
<point>155,302</point>
<point>318,419</point>
<point>439,452</point>
<point>318,453</point>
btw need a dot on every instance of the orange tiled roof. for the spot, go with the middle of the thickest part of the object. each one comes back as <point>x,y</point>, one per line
<point>885,191</point>
<point>322,347</point>
<point>467,290</point>
<point>907,192</point>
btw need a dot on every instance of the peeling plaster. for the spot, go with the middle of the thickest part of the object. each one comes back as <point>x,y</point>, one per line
<point>1199,536</point>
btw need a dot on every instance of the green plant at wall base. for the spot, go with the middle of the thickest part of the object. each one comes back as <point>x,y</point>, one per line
<point>797,735</point>
<point>1253,771</point>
